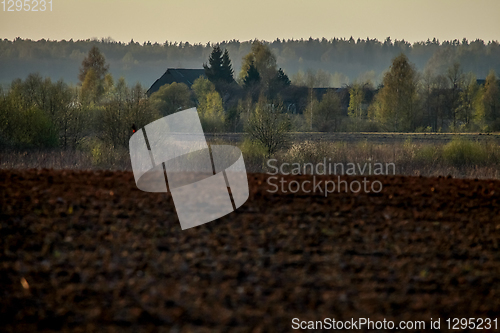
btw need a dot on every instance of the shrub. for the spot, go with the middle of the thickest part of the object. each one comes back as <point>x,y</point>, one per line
<point>461,152</point>
<point>104,156</point>
<point>269,126</point>
<point>428,154</point>
<point>35,129</point>
<point>308,152</point>
<point>254,154</point>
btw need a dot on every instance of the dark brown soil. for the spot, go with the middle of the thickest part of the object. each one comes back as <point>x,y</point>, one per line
<point>87,251</point>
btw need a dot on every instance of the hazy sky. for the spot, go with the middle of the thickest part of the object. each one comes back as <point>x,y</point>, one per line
<point>217,20</point>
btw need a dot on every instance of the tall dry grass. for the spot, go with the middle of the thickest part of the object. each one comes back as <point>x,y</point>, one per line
<point>461,158</point>
<point>64,159</point>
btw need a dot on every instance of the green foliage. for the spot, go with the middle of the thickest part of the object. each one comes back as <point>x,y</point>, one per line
<point>238,115</point>
<point>171,98</point>
<point>116,117</point>
<point>233,120</point>
<point>479,115</point>
<point>73,118</point>
<point>335,56</point>
<point>92,88</point>
<point>252,148</point>
<point>254,154</point>
<point>282,79</point>
<point>259,73</point>
<point>461,152</point>
<point>105,156</point>
<point>310,112</point>
<point>93,75</point>
<point>409,157</point>
<point>327,114</point>
<point>263,59</point>
<point>360,125</point>
<point>456,80</point>
<point>312,79</point>
<point>227,71</point>
<point>490,104</point>
<point>201,88</point>
<point>38,113</point>
<point>466,109</point>
<point>397,102</point>
<point>35,129</point>
<point>409,149</point>
<point>212,113</point>
<point>428,154</point>
<point>94,61</point>
<point>356,100</point>
<point>214,67</point>
<point>423,129</point>
<point>210,106</point>
<point>279,83</point>
<point>252,76</point>
<point>219,68</point>
<point>269,125</point>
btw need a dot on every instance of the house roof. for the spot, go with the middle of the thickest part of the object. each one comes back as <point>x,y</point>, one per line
<point>179,75</point>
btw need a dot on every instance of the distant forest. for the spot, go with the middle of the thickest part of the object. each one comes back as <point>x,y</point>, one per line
<point>344,61</point>
<point>99,113</point>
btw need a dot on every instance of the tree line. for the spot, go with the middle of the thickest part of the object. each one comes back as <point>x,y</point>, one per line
<point>453,101</point>
<point>341,61</point>
<point>407,99</point>
<point>259,99</point>
<point>38,112</point>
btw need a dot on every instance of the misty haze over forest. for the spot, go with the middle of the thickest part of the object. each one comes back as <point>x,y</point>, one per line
<point>343,60</point>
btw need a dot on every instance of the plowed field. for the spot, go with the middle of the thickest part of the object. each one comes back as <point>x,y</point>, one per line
<point>88,251</point>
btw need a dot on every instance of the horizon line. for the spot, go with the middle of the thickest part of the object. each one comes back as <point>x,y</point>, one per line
<point>111,40</point>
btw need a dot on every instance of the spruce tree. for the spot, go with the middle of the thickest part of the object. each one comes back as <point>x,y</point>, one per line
<point>253,76</point>
<point>227,69</point>
<point>213,70</point>
<point>282,78</point>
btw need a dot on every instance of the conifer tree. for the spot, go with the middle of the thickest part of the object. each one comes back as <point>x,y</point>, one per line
<point>213,70</point>
<point>282,78</point>
<point>252,77</point>
<point>227,68</point>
